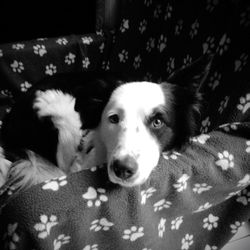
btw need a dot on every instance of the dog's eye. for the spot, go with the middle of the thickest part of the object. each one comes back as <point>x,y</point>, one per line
<point>157,123</point>
<point>113,119</point>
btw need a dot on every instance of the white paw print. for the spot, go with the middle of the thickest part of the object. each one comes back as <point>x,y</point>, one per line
<point>123,56</point>
<point>176,223</point>
<point>25,86</point>
<point>62,41</point>
<point>202,139</point>
<point>241,62</point>
<point>204,207</point>
<point>244,197</point>
<point>234,227</point>
<point>124,25</point>
<point>245,181</point>
<point>70,58</point>
<point>137,62</point>
<point>194,29</point>
<point>55,184</point>
<point>102,47</point>
<point>45,225</point>
<point>158,11</point>
<point>223,104</point>
<point>145,194</point>
<point>143,26</point>
<point>223,44</point>
<point>148,77</point>
<point>244,103</point>
<point>181,184</point>
<point>214,80</point>
<point>211,4</point>
<point>85,63</point>
<point>162,43</point>
<point>106,65</point>
<point>245,18</point>
<point>150,44</point>
<point>102,224</point>
<point>208,45</point>
<point>178,27</point>
<point>39,50</point>
<point>171,155</point>
<point>158,206</point>
<point>248,146</point>
<point>61,240</point>
<point>205,124</point>
<point>18,46</point>
<point>17,66</point>
<point>133,233</point>
<point>170,65</point>
<point>208,247</point>
<point>95,197</point>
<point>187,60</point>
<point>11,237</point>
<point>169,10</point>
<point>229,126</point>
<point>50,69</point>
<point>187,241</point>
<point>87,40</point>
<point>91,247</point>
<point>148,2</point>
<point>210,222</point>
<point>161,227</point>
<point>201,187</point>
<point>226,160</point>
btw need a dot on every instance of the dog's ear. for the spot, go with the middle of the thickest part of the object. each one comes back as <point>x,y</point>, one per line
<point>193,75</point>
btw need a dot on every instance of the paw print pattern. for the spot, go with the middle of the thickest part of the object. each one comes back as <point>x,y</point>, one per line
<point>209,45</point>
<point>133,233</point>
<point>101,48</point>
<point>39,50</point>
<point>95,196</point>
<point>50,69</point>
<point>208,247</point>
<point>44,226</point>
<point>245,18</point>
<point>61,240</point>
<point>170,65</point>
<point>87,40</point>
<point>161,227</point>
<point>25,86</point>
<point>11,237</point>
<point>55,184</point>
<point>248,147</point>
<point>211,4</point>
<point>214,80</point>
<point>85,63</point>
<point>176,223</point>
<point>143,26</point>
<point>158,11</point>
<point>91,247</point>
<point>123,56</point>
<point>210,222</point>
<point>148,2</point>
<point>205,124</point>
<point>137,62</point>
<point>187,241</point>
<point>240,63</point>
<point>102,224</point>
<point>178,27</point>
<point>245,181</point>
<point>17,67</point>
<point>181,184</point>
<point>202,139</point>
<point>70,58</point>
<point>169,10</point>
<point>187,60</point>
<point>150,44</point>
<point>124,25</point>
<point>145,194</point>
<point>62,41</point>
<point>18,46</point>
<point>158,206</point>
<point>194,29</point>
<point>229,126</point>
<point>234,227</point>
<point>244,197</point>
<point>223,104</point>
<point>226,160</point>
<point>223,44</point>
<point>204,207</point>
<point>171,155</point>
<point>201,187</point>
<point>244,103</point>
<point>162,43</point>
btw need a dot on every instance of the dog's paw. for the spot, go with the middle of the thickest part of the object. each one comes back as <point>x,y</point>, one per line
<point>53,103</point>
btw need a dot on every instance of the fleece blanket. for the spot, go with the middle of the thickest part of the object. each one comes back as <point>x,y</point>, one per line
<point>195,199</point>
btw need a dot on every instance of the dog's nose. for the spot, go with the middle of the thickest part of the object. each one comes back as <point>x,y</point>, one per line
<point>125,168</point>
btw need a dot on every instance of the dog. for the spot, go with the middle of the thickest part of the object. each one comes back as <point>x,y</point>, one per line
<point>128,123</point>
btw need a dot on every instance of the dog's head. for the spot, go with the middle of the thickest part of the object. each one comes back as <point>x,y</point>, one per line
<point>135,121</point>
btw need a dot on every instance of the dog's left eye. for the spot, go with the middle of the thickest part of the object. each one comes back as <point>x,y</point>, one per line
<point>157,123</point>
<point>113,119</point>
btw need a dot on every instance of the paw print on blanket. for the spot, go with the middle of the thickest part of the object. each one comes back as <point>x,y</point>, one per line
<point>161,204</point>
<point>176,223</point>
<point>211,4</point>
<point>161,227</point>
<point>137,62</point>
<point>143,26</point>
<point>55,184</point>
<point>158,11</point>
<point>181,184</point>
<point>171,155</point>
<point>194,29</point>
<point>169,10</point>
<point>187,241</point>
<point>209,45</point>
<point>170,65</point>
<point>85,63</point>
<point>50,69</point>
<point>60,241</point>
<point>244,103</point>
<point>95,196</point>
<point>240,63</point>
<point>102,224</point>
<point>91,247</point>
<point>148,2</point>
<point>62,41</point>
<point>70,58</point>
<point>214,80</point>
<point>202,139</point>
<point>150,44</point>
<point>208,247</point>
<point>223,44</point>
<point>87,40</point>
<point>11,237</point>
<point>39,50</point>
<point>162,43</point>
<point>18,46</point>
<point>201,187</point>
<point>248,147</point>
<point>245,181</point>
<point>235,227</point>
<point>44,226</point>
<point>223,104</point>
<point>133,233</point>
<point>17,67</point>
<point>205,124</point>
<point>145,194</point>
<point>25,86</point>
<point>202,208</point>
<point>124,25</point>
<point>187,60</point>
<point>226,160</point>
<point>210,222</point>
<point>229,126</point>
<point>245,18</point>
<point>244,197</point>
<point>178,27</point>
<point>123,56</point>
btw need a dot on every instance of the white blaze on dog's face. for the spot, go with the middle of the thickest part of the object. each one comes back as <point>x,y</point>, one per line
<point>128,129</point>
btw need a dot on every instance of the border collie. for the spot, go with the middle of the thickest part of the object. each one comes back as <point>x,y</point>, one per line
<point>128,124</point>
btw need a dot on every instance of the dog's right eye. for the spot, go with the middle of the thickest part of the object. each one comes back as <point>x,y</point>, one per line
<point>113,119</point>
